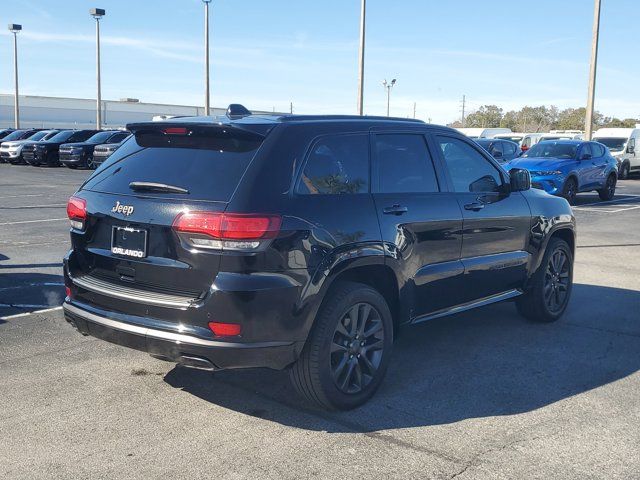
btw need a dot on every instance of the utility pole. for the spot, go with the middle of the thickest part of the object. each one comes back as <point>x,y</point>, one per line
<point>15,28</point>
<point>363,13</point>
<point>388,86</point>
<point>207,109</point>
<point>414,110</point>
<point>291,108</point>
<point>464,102</point>
<point>98,13</point>
<point>588,127</point>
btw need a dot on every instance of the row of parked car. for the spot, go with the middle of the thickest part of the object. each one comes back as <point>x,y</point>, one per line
<point>55,147</point>
<point>562,163</point>
<point>621,143</point>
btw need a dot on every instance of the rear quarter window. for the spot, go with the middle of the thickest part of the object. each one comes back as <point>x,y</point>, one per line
<point>336,164</point>
<point>209,164</point>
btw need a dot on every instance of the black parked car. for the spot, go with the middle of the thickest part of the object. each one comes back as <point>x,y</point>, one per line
<point>47,152</point>
<point>304,242</point>
<point>80,154</point>
<point>5,131</point>
<point>501,150</point>
<point>102,152</point>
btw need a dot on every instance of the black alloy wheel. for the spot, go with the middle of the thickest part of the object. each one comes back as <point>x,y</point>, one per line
<point>570,190</point>
<point>609,190</point>
<point>557,281</point>
<point>356,348</point>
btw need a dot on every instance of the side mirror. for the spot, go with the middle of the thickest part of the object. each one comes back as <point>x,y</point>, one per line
<point>497,155</point>
<point>631,149</point>
<point>520,179</point>
<point>586,156</point>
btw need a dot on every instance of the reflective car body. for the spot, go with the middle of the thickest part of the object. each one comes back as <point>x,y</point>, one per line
<point>553,163</point>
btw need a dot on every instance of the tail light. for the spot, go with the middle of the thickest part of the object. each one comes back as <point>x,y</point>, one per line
<point>77,212</point>
<point>225,329</point>
<point>227,230</point>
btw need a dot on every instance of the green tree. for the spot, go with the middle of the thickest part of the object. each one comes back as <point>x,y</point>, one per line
<point>574,119</point>
<point>487,116</point>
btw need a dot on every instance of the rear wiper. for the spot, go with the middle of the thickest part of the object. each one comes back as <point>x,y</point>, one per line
<point>156,187</point>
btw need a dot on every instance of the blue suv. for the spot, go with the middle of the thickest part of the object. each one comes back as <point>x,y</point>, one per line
<point>568,167</point>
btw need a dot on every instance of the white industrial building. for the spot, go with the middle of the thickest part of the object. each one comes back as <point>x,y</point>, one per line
<point>57,112</point>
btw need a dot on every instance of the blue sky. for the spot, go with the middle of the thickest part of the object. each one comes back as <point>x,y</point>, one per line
<point>266,53</point>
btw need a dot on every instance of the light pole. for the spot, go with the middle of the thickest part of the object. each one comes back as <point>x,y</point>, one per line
<point>206,57</point>
<point>388,86</point>
<point>15,28</point>
<point>592,72</point>
<point>363,14</point>
<point>98,13</point>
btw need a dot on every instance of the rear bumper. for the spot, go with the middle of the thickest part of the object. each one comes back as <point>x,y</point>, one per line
<point>135,332</point>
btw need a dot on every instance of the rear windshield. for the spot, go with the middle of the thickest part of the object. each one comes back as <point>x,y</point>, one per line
<point>209,164</point>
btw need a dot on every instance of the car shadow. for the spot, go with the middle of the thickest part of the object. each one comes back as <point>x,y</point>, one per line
<point>478,364</point>
<point>26,291</point>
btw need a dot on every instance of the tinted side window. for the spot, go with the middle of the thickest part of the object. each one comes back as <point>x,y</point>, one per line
<point>336,165</point>
<point>469,170</point>
<point>404,164</point>
<point>495,149</point>
<point>585,150</point>
<point>509,148</point>
<point>597,150</point>
<point>118,137</point>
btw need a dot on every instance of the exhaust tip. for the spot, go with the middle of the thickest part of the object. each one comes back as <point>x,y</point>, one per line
<point>197,363</point>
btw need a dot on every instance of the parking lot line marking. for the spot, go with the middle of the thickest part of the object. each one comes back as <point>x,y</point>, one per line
<point>22,196</point>
<point>34,221</point>
<point>34,284</point>
<point>25,314</point>
<point>19,207</point>
<point>627,196</point>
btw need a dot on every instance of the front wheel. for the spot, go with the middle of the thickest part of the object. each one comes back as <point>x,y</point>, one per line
<point>548,294</point>
<point>570,190</point>
<point>624,171</point>
<point>348,350</point>
<point>609,190</point>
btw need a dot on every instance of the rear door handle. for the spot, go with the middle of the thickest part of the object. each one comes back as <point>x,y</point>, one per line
<point>395,210</point>
<point>475,206</point>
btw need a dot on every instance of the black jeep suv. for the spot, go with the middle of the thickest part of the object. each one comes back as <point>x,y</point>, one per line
<point>80,154</point>
<point>304,242</point>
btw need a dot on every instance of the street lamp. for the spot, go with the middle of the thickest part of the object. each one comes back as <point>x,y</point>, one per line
<point>388,87</point>
<point>206,57</point>
<point>15,28</point>
<point>98,13</point>
<point>363,14</point>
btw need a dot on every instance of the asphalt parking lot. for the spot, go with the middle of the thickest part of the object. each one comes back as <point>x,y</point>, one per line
<point>480,395</point>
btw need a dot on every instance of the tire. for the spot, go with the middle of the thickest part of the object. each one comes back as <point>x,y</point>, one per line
<point>334,358</point>
<point>570,190</point>
<point>609,190</point>
<point>538,303</point>
<point>624,171</point>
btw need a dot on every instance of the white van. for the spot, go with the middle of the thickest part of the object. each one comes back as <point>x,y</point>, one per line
<point>562,135</point>
<point>622,145</point>
<point>525,140</point>
<point>483,132</point>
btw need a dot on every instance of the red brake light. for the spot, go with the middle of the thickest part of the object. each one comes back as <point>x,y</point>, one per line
<point>225,329</point>
<point>77,212</point>
<point>228,226</point>
<point>175,131</point>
